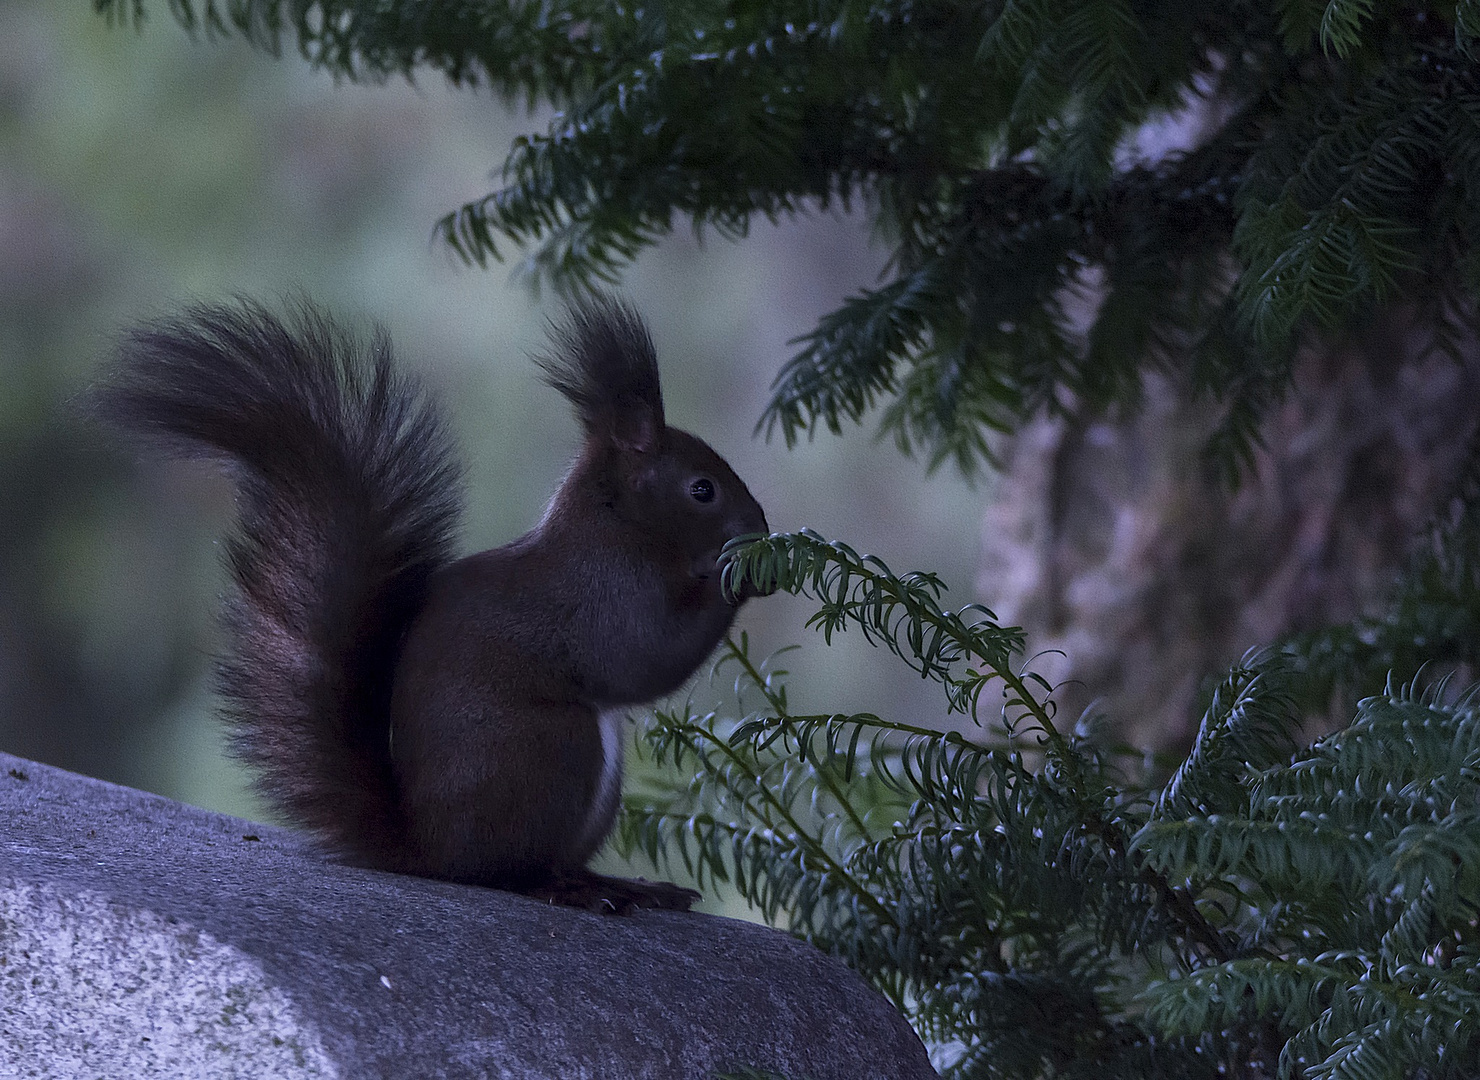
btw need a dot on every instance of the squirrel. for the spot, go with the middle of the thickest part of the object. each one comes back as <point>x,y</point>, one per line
<point>453,718</point>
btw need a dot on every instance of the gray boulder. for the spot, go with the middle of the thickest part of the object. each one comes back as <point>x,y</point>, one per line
<point>140,937</point>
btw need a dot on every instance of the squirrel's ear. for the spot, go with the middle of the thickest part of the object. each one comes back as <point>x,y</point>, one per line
<point>637,430</point>
<point>602,359</point>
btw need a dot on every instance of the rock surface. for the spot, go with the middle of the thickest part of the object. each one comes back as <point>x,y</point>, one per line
<point>141,937</point>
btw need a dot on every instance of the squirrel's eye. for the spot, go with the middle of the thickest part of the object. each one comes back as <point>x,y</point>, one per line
<point>702,489</point>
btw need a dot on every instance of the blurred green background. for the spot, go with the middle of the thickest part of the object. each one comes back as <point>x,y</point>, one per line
<point>139,171</point>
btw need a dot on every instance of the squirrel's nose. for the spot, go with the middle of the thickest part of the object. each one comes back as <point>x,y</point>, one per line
<point>749,519</point>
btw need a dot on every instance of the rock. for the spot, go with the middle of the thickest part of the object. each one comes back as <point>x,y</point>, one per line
<point>140,937</point>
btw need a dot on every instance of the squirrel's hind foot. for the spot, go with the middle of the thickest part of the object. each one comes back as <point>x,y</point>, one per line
<point>612,896</point>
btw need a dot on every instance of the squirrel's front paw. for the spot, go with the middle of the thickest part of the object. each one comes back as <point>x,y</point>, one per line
<point>613,896</point>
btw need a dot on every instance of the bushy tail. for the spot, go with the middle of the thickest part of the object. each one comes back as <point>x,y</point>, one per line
<point>349,495</point>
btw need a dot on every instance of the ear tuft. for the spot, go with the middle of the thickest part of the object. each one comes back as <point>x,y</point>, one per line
<point>602,360</point>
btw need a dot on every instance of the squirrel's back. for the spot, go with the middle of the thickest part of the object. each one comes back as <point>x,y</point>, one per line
<point>349,495</point>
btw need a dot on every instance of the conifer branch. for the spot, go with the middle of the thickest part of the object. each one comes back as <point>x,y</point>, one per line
<point>1312,897</point>
<point>990,143</point>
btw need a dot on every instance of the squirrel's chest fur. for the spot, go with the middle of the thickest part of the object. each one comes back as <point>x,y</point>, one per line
<point>505,761</point>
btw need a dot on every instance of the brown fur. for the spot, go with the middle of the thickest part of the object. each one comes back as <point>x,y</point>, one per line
<point>421,714</point>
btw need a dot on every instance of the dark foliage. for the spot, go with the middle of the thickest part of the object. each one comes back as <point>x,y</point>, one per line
<point>1039,259</point>
<point>1039,907</point>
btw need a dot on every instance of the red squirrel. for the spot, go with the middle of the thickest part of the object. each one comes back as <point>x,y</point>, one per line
<point>449,718</point>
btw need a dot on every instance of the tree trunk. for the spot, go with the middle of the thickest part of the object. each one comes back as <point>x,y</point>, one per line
<point>1107,541</point>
